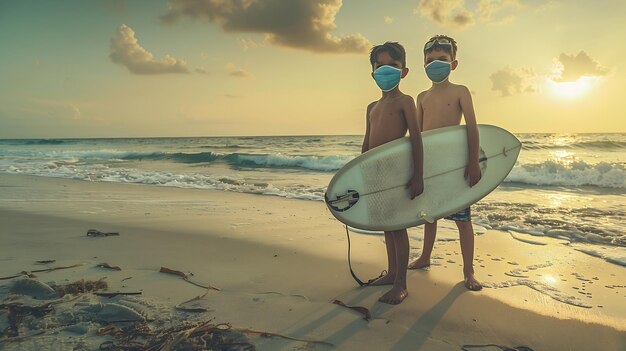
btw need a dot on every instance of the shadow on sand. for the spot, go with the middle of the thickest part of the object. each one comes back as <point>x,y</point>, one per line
<point>423,327</point>
<point>416,335</point>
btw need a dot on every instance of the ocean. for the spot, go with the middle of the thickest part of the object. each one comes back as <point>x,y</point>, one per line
<point>567,186</point>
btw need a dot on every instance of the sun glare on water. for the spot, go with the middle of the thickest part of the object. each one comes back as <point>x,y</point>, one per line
<point>571,90</point>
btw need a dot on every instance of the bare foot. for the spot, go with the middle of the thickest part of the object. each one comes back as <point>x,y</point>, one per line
<point>386,279</point>
<point>394,296</point>
<point>471,283</point>
<point>420,263</point>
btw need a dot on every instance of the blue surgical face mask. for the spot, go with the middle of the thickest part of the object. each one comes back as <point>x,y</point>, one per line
<point>438,71</point>
<point>387,77</point>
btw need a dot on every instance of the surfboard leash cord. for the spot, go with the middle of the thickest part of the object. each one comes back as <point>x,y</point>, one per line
<point>359,281</point>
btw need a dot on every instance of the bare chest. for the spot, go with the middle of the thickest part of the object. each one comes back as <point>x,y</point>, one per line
<point>441,110</point>
<point>386,114</point>
<point>441,103</point>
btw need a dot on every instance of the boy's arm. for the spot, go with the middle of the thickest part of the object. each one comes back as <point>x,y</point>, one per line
<point>416,183</point>
<point>366,139</point>
<point>420,111</point>
<point>472,172</point>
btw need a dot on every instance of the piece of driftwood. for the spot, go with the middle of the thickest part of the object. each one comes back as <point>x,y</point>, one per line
<point>187,278</point>
<point>502,348</point>
<point>116,293</point>
<point>31,275</point>
<point>45,261</point>
<point>95,232</point>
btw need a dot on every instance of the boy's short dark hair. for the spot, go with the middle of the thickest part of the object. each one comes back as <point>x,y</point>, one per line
<point>452,51</point>
<point>395,50</point>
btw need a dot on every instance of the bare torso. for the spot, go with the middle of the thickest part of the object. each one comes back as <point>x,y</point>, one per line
<point>441,107</point>
<point>387,120</point>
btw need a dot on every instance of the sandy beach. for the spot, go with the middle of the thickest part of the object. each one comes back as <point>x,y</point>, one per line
<point>277,265</point>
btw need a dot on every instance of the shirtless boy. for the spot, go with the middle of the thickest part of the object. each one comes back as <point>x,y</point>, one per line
<point>440,106</point>
<point>388,119</point>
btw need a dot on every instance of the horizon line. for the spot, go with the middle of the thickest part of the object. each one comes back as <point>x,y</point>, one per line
<point>254,136</point>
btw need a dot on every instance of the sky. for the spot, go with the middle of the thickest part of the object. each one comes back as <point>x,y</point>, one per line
<point>154,68</point>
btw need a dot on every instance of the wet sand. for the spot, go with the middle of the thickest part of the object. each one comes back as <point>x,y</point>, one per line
<point>279,264</point>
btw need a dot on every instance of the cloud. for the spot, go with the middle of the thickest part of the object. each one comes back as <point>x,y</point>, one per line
<point>455,14</point>
<point>235,71</point>
<point>388,20</point>
<point>509,81</point>
<point>201,70</point>
<point>248,44</point>
<point>450,13</point>
<point>126,51</point>
<point>53,108</point>
<point>572,67</point>
<point>299,24</point>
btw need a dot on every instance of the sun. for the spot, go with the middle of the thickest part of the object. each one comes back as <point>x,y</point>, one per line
<point>571,90</point>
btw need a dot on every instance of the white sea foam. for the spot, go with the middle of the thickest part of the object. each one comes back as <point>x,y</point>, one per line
<point>615,255</point>
<point>542,288</point>
<point>320,163</point>
<point>603,174</point>
<point>181,180</point>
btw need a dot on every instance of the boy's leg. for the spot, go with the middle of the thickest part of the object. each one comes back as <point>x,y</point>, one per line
<point>430,233</point>
<point>389,278</point>
<point>466,234</point>
<point>398,292</point>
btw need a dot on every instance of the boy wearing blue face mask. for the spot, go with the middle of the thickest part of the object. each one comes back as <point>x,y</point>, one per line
<point>440,106</point>
<point>388,119</point>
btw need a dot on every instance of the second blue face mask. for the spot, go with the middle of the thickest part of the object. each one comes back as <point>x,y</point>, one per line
<point>438,71</point>
<point>387,77</point>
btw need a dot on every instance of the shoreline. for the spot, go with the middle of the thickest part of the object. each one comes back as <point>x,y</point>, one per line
<point>281,262</point>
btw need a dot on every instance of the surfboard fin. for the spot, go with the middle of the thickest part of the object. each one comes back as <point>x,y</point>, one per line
<point>428,218</point>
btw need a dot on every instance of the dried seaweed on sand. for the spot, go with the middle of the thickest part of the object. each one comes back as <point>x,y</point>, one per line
<point>362,310</point>
<point>106,265</point>
<point>80,286</point>
<point>188,337</point>
<point>180,306</point>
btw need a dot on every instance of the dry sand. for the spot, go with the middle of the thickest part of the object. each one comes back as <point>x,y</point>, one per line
<point>279,265</point>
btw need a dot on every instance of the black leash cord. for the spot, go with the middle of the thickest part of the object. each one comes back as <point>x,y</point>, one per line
<point>350,264</point>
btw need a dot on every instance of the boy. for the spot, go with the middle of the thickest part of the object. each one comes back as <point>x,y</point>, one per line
<point>440,106</point>
<point>388,119</point>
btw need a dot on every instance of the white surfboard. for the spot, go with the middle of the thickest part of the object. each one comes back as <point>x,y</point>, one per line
<point>370,193</point>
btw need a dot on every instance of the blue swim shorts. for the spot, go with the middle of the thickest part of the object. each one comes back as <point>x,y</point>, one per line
<point>461,216</point>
